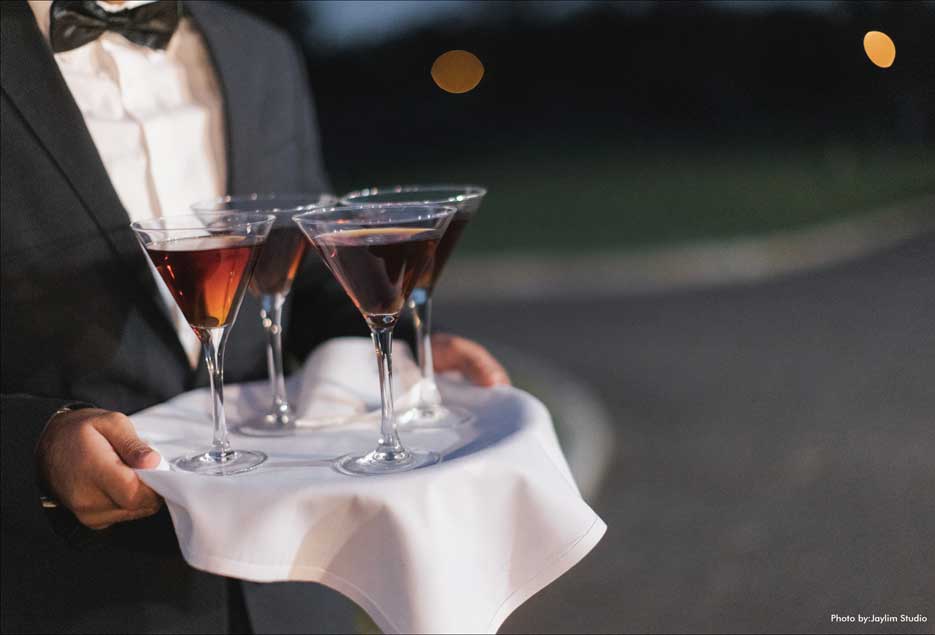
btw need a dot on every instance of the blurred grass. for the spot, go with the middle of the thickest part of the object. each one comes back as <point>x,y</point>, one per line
<point>552,201</point>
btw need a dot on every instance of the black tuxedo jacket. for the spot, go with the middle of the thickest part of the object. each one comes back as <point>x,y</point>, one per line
<point>82,319</point>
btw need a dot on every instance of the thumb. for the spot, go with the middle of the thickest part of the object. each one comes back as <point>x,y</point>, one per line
<point>470,358</point>
<point>121,435</point>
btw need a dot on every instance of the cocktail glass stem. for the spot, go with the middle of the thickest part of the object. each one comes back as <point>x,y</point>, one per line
<point>389,448</point>
<point>427,395</point>
<point>271,316</point>
<point>213,341</point>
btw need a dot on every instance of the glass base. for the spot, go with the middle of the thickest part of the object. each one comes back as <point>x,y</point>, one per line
<point>435,417</point>
<point>375,463</point>
<point>208,463</point>
<point>271,425</point>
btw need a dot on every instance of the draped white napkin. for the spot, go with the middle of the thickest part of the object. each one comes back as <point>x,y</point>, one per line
<point>452,548</point>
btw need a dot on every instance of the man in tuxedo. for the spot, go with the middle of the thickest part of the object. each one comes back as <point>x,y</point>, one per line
<point>113,112</point>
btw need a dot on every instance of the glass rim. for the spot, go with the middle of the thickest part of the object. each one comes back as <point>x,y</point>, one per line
<point>313,216</point>
<point>157,223</point>
<point>471,192</point>
<point>210,204</point>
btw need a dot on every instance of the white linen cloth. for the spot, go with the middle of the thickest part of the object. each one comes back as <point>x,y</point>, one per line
<point>452,548</point>
<point>157,121</point>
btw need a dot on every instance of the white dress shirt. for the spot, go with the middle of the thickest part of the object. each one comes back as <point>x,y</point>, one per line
<point>157,120</point>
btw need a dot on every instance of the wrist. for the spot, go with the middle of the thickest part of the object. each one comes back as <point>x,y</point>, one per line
<point>47,499</point>
<point>61,519</point>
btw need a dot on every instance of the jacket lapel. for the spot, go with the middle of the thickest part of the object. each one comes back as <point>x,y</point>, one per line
<point>239,113</point>
<point>32,81</point>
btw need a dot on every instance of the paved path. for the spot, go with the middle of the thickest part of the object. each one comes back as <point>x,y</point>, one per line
<point>776,449</point>
<point>610,274</point>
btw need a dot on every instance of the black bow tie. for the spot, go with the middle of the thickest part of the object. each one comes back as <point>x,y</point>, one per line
<point>74,23</point>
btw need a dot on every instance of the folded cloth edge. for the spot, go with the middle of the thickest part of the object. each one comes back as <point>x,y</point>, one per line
<point>552,568</point>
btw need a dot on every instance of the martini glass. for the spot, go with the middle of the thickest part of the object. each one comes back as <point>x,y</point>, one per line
<point>272,280</point>
<point>206,261</point>
<point>428,410</point>
<point>378,253</point>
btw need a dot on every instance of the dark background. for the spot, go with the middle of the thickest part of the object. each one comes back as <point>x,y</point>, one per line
<point>774,438</point>
<point>662,121</point>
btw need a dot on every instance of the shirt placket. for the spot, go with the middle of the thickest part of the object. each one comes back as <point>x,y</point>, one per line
<point>133,65</point>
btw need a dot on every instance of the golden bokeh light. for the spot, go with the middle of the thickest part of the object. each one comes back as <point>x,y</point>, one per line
<point>457,71</point>
<point>880,48</point>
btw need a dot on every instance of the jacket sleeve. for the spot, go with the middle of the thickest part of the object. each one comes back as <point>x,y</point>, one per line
<point>23,420</point>
<point>24,518</point>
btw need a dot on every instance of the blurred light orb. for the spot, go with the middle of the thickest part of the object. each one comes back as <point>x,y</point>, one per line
<point>880,48</point>
<point>457,71</point>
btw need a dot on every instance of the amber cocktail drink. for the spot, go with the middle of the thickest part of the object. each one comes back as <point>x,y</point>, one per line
<point>206,261</point>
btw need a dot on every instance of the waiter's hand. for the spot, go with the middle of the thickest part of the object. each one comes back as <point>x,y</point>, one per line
<point>450,352</point>
<point>85,458</point>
